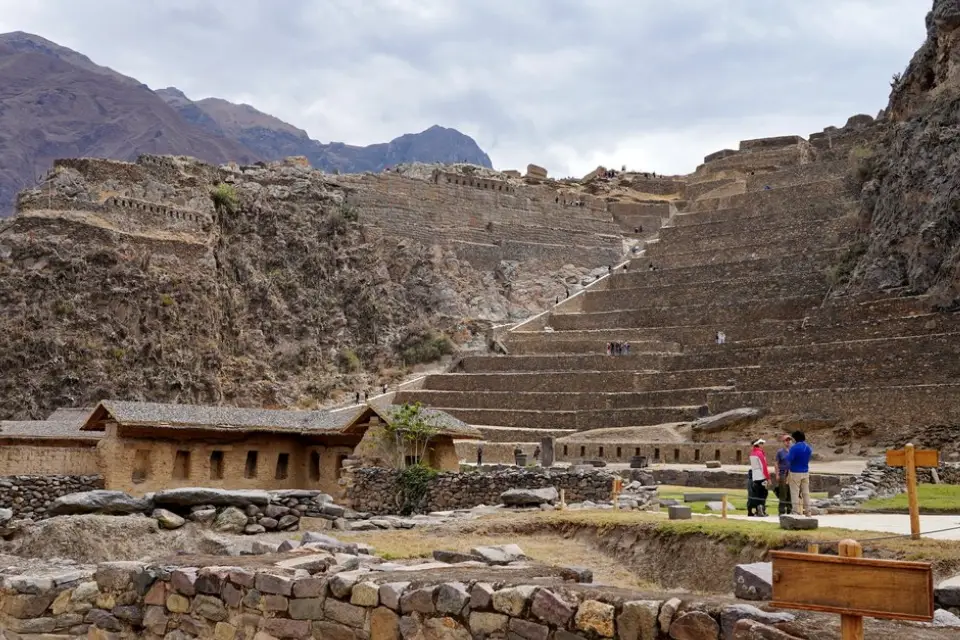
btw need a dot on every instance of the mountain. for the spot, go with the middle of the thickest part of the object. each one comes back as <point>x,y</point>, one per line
<point>55,103</point>
<point>273,139</point>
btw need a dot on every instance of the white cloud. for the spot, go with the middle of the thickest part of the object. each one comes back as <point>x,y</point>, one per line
<point>564,83</point>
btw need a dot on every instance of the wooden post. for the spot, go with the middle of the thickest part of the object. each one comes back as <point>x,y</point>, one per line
<point>723,506</point>
<point>911,466</point>
<point>851,626</point>
<point>563,499</point>
<point>813,548</point>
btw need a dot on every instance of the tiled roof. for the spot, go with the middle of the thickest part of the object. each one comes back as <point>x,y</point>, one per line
<point>185,416</point>
<point>79,416</point>
<point>446,423</point>
<point>45,429</point>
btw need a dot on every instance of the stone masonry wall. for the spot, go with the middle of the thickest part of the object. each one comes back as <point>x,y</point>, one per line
<point>30,496</point>
<point>120,600</point>
<point>375,490</point>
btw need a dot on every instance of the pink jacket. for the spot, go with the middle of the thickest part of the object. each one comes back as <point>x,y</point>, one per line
<point>761,457</point>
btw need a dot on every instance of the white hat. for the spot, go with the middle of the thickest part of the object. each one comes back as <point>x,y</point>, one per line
<point>759,441</point>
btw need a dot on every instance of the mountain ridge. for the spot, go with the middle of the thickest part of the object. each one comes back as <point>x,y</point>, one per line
<point>56,102</point>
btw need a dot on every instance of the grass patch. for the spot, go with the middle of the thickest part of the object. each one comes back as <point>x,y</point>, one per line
<point>736,497</point>
<point>933,498</point>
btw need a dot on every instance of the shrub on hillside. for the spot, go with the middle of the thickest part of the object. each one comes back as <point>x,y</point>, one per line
<point>424,345</point>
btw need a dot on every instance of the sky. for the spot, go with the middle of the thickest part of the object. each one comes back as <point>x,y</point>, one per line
<point>566,84</point>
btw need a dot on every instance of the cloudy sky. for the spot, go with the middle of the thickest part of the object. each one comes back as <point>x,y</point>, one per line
<point>568,84</point>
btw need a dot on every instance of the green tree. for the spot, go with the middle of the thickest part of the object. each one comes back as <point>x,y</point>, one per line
<point>224,198</point>
<point>411,427</point>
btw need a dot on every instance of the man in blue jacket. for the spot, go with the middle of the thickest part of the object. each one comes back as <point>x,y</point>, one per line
<point>799,460</point>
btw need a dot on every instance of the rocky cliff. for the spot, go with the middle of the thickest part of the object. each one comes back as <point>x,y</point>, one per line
<point>171,279</point>
<point>910,203</point>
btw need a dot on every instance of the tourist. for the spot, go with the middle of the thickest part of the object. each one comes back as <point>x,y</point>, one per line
<point>357,397</point>
<point>479,455</point>
<point>636,229</point>
<point>384,387</point>
<point>782,488</point>
<point>799,460</point>
<point>536,453</point>
<point>626,348</point>
<point>609,348</point>
<point>759,477</point>
<point>609,269</point>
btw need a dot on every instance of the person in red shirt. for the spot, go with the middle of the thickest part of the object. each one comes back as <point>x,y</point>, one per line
<point>759,480</point>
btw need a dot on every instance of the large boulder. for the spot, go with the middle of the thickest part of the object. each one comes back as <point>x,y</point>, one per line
<point>193,496</point>
<point>230,520</point>
<point>114,503</point>
<point>728,419</point>
<point>529,497</point>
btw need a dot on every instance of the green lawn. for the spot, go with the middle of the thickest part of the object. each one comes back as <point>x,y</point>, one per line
<point>933,498</point>
<point>736,497</point>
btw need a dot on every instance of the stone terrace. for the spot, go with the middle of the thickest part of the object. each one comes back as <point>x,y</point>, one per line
<point>753,265</point>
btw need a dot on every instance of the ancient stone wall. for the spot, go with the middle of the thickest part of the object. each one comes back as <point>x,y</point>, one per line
<point>721,479</point>
<point>30,496</point>
<point>137,600</point>
<point>375,490</point>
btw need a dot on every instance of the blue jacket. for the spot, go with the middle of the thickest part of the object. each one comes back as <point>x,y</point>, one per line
<point>799,457</point>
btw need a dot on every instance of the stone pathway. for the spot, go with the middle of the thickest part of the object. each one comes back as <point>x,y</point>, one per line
<point>891,523</point>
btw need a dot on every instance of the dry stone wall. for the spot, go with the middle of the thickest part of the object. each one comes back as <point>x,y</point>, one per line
<point>31,496</point>
<point>376,490</point>
<point>120,600</point>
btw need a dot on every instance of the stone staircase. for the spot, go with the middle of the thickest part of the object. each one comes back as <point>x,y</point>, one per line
<point>752,265</point>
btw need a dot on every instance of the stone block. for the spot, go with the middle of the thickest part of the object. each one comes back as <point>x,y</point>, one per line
<point>753,581</point>
<point>273,603</point>
<point>947,595</point>
<point>286,628</point>
<point>667,611</point>
<point>26,605</point>
<point>155,620</point>
<point>232,596</point>
<point>342,583</point>
<point>679,512</point>
<point>528,630</point>
<point>595,617</point>
<point>512,601</point>
<point>384,624</point>
<point>638,620</point>
<point>118,576</point>
<point>793,522</point>
<point>183,580</point>
<point>452,598</point>
<point>713,464</point>
<point>418,600</point>
<point>306,608</point>
<point>345,613</point>
<point>209,607</point>
<point>224,631</point>
<point>753,630</point>
<point>552,608</point>
<point>177,603</point>
<point>694,625</point>
<point>365,594</point>
<point>484,624</point>
<point>481,596</point>
<point>391,593</point>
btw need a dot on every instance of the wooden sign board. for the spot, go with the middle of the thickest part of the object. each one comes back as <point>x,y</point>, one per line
<point>922,458</point>
<point>888,589</point>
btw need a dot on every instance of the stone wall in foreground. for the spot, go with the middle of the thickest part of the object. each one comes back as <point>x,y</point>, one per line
<point>375,490</point>
<point>120,600</point>
<point>30,496</point>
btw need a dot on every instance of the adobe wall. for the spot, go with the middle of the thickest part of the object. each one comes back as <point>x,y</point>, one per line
<point>375,490</point>
<point>39,457</point>
<point>135,600</point>
<point>29,496</point>
<point>139,466</point>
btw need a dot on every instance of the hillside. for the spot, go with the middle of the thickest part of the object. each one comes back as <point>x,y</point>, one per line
<point>56,103</point>
<point>910,192</point>
<point>273,139</point>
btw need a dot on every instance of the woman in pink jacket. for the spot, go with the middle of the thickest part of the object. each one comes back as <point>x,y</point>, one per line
<point>758,479</point>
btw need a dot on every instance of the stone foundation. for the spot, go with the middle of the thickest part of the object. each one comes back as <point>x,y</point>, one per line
<point>30,496</point>
<point>375,491</point>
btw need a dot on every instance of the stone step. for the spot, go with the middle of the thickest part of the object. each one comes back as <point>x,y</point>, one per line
<point>597,361</point>
<point>558,401</point>
<point>760,287</point>
<point>574,381</point>
<point>746,234</point>
<point>639,275</point>
<point>684,226</point>
<point>579,420</point>
<point>906,405</point>
<point>747,252</point>
<point>557,342</point>
<point>925,348</point>
<point>740,313</point>
<point>779,200</point>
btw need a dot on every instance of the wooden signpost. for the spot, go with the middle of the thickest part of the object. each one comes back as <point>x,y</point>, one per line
<point>853,586</point>
<point>911,458</point>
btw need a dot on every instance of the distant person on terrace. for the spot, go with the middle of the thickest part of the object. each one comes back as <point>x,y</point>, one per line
<point>758,479</point>
<point>799,459</point>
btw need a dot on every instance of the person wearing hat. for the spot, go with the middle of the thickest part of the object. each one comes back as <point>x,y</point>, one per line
<point>759,478</point>
<point>782,486</point>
